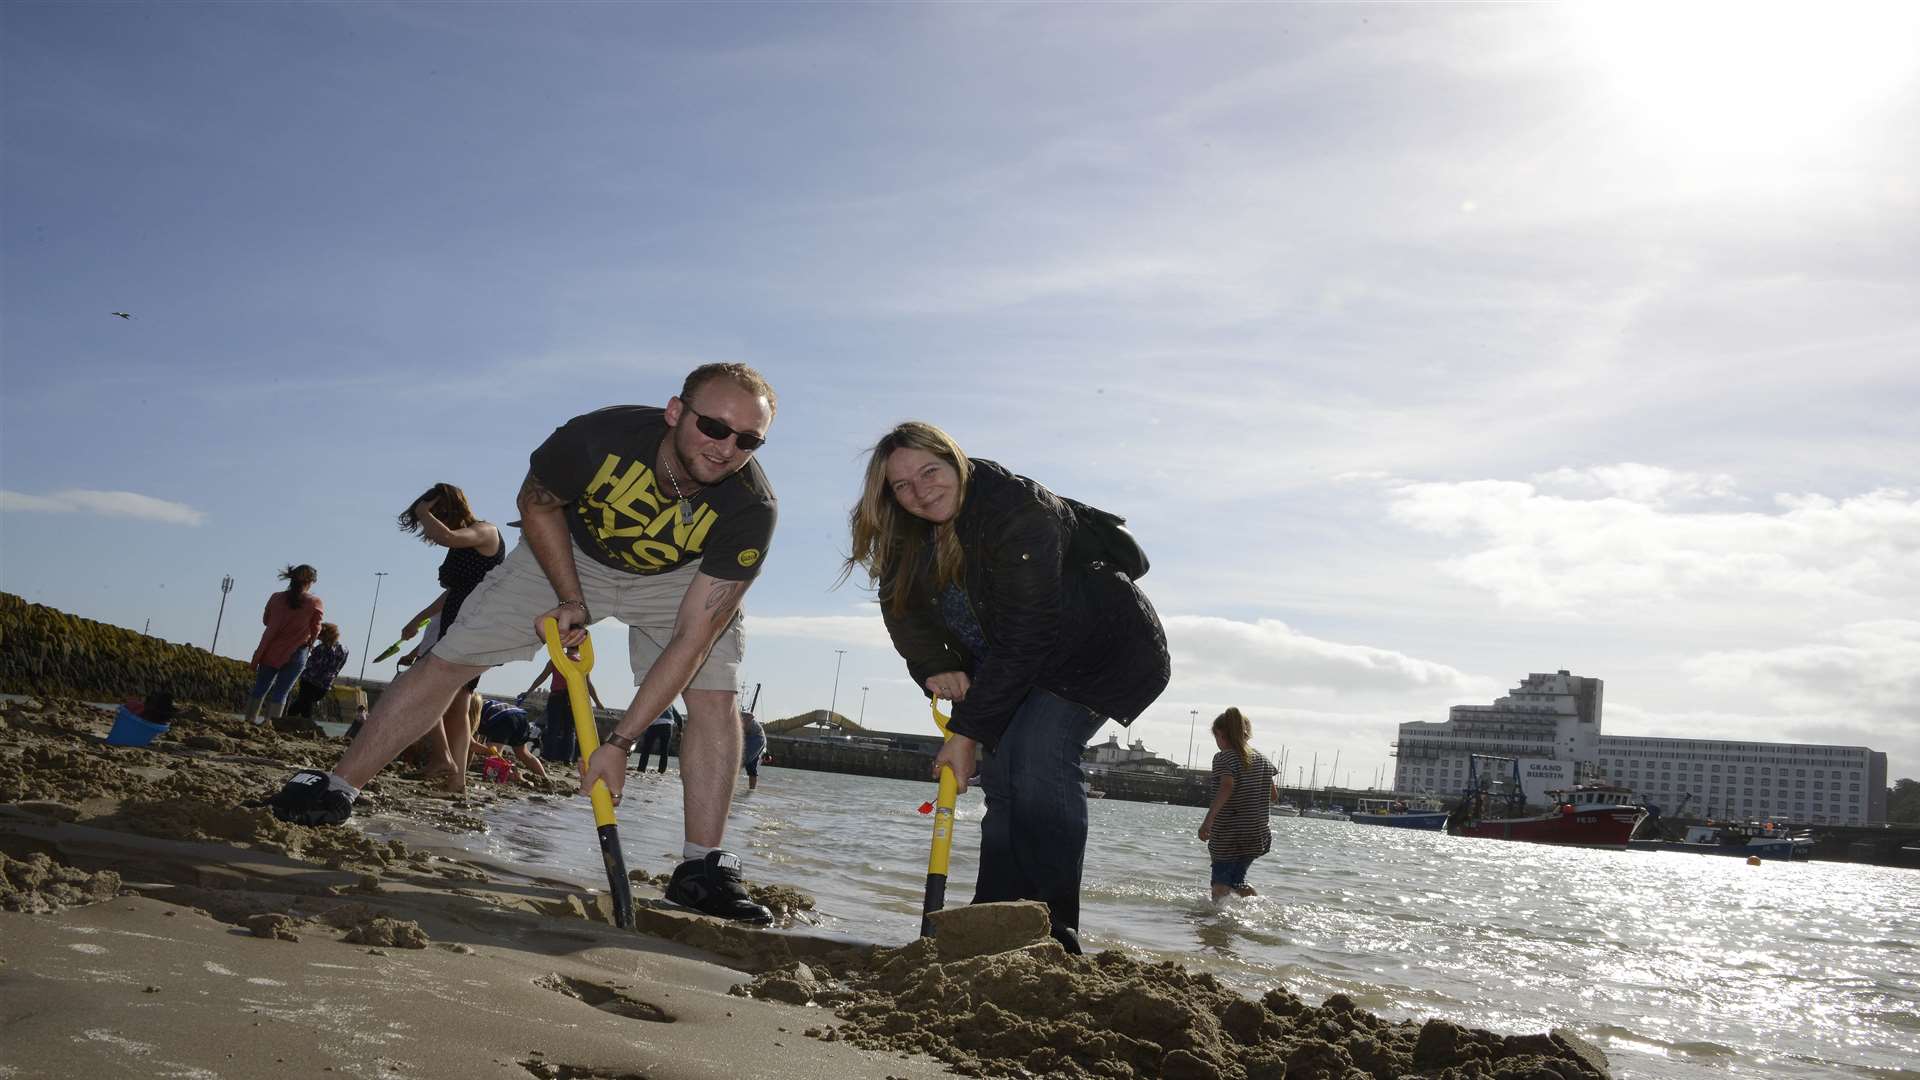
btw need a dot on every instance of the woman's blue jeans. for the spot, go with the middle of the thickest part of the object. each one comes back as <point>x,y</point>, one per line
<point>274,683</point>
<point>559,743</point>
<point>1033,837</point>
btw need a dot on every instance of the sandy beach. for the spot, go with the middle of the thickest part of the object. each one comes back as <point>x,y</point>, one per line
<point>154,926</point>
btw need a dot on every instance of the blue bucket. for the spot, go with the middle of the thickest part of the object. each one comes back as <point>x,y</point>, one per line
<point>131,730</point>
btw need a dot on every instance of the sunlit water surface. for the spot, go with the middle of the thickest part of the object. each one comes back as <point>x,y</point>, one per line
<point>1680,966</point>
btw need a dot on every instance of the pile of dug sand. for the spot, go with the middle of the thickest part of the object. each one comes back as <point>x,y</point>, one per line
<point>38,885</point>
<point>1029,1009</point>
<point>193,781</point>
<point>203,780</point>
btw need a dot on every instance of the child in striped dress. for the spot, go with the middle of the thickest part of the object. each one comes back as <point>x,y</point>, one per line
<point>1236,828</point>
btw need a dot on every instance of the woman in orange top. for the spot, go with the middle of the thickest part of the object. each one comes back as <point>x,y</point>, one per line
<point>292,618</point>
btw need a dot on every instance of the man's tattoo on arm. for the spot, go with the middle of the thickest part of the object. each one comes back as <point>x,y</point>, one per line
<point>532,493</point>
<point>722,598</point>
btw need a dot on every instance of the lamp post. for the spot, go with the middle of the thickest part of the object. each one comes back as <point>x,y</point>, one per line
<point>863,706</point>
<point>368,647</point>
<point>1193,718</point>
<point>226,586</point>
<point>838,655</point>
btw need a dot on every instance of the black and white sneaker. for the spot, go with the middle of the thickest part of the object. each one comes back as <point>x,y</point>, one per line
<point>712,886</point>
<point>308,798</point>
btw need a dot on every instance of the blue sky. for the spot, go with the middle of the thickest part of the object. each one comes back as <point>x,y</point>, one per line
<point>1424,346</point>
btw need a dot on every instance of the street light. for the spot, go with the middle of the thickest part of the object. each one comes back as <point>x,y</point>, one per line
<point>838,655</point>
<point>226,586</point>
<point>1193,718</point>
<point>368,647</point>
<point>863,706</point>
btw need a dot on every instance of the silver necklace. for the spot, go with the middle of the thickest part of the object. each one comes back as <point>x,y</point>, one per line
<point>686,508</point>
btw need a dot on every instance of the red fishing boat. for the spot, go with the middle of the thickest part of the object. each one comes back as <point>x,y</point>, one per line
<point>1588,815</point>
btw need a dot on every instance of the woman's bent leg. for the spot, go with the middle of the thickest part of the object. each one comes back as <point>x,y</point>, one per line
<point>1033,836</point>
<point>263,677</point>
<point>459,738</point>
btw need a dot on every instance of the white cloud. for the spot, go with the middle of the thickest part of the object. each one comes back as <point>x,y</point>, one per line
<point>106,503</point>
<point>865,630</point>
<point>1215,653</point>
<point>1270,654</point>
<point>1556,553</point>
<point>1867,667</point>
<point>1648,484</point>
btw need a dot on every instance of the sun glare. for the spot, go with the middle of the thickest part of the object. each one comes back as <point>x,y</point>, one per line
<point>1751,79</point>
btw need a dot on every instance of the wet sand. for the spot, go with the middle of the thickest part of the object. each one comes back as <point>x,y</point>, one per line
<point>153,925</point>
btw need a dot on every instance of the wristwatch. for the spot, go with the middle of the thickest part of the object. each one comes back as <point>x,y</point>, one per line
<point>623,742</point>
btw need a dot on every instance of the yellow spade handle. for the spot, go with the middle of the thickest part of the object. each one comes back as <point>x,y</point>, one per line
<point>575,672</point>
<point>943,806</point>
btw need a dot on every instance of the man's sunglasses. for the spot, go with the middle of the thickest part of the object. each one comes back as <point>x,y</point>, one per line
<point>713,429</point>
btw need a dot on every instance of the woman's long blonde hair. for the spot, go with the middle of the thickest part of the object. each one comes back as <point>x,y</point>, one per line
<point>1237,730</point>
<point>887,541</point>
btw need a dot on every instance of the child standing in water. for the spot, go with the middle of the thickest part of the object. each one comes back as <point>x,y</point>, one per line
<point>1236,828</point>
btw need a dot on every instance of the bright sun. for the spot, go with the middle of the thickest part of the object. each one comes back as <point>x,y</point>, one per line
<point>1752,79</point>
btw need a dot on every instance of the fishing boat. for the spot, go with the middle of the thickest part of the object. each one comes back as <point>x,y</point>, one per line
<point>1590,814</point>
<point>1741,839</point>
<point>1285,809</point>
<point>1400,814</point>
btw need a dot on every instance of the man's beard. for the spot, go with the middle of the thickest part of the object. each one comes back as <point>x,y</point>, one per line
<point>695,465</point>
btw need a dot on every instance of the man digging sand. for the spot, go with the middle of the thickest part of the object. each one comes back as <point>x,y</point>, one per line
<point>659,518</point>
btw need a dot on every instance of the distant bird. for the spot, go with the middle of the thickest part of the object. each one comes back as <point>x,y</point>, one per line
<point>123,314</point>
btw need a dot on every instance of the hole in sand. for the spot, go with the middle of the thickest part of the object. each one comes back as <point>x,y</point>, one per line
<point>606,999</point>
<point>554,1070</point>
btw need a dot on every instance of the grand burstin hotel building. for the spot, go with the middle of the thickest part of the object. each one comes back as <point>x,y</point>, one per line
<point>1551,724</point>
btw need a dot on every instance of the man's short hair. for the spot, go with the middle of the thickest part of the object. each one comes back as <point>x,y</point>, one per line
<point>738,374</point>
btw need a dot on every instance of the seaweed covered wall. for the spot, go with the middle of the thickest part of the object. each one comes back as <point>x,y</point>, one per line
<point>44,651</point>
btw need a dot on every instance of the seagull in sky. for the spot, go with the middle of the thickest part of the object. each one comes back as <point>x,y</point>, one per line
<point>123,314</point>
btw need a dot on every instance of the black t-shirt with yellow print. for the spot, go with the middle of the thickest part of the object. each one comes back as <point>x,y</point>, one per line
<point>624,516</point>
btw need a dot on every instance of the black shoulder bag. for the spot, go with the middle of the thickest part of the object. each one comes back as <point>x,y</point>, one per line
<point>1102,537</point>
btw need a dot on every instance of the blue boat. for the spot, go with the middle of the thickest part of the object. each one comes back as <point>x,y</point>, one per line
<point>1397,814</point>
<point>1748,840</point>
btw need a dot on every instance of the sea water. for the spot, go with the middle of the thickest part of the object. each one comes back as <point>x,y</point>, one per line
<point>1678,965</point>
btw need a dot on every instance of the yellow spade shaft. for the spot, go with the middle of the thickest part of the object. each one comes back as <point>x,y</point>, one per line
<point>575,672</point>
<point>936,895</point>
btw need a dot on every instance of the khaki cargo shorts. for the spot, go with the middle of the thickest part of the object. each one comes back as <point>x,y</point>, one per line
<point>495,625</point>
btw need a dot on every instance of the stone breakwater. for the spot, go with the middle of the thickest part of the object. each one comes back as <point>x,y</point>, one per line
<point>49,652</point>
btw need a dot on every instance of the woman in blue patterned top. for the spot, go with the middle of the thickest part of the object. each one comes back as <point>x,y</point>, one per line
<point>324,662</point>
